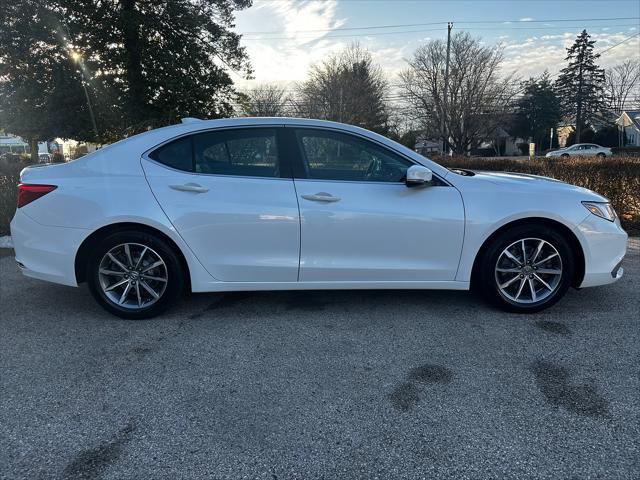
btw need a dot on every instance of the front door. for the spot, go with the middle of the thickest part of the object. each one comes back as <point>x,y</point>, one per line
<point>230,196</point>
<point>360,222</point>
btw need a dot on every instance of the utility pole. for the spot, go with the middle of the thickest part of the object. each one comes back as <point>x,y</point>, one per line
<point>445,96</point>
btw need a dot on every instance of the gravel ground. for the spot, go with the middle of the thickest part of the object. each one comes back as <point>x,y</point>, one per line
<point>308,385</point>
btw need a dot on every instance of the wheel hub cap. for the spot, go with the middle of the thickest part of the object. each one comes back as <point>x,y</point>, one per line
<point>133,276</point>
<point>528,271</point>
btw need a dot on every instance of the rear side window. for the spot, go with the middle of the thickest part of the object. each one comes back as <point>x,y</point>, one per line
<point>249,152</point>
<point>176,154</point>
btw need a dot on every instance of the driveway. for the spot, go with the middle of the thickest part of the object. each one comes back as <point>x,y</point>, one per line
<point>309,385</point>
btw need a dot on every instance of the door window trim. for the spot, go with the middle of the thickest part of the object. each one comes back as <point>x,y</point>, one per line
<point>297,159</point>
<point>284,160</point>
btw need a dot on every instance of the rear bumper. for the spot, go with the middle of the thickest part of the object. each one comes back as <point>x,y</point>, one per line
<point>46,253</point>
<point>605,245</point>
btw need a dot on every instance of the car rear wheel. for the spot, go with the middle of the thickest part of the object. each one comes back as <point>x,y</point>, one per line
<point>134,275</point>
<point>601,155</point>
<point>526,269</point>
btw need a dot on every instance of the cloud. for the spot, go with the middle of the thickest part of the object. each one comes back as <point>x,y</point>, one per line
<point>526,19</point>
<point>301,39</point>
<point>534,55</point>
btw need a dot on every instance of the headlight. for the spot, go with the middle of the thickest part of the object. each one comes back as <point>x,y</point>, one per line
<point>601,209</point>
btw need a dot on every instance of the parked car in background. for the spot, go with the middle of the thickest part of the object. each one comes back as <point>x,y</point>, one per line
<point>297,204</point>
<point>582,150</point>
<point>45,158</point>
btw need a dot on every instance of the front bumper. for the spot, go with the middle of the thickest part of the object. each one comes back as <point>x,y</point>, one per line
<point>46,253</point>
<point>605,245</point>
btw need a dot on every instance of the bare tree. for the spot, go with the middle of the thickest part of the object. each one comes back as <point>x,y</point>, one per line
<point>621,82</point>
<point>347,87</point>
<point>478,98</point>
<point>266,100</point>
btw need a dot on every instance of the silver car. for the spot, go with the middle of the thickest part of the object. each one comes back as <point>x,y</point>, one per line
<point>582,150</point>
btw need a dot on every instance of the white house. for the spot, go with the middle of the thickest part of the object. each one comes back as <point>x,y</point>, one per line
<point>629,121</point>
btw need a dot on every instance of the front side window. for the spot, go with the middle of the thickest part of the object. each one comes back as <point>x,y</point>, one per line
<point>329,155</point>
<point>249,152</point>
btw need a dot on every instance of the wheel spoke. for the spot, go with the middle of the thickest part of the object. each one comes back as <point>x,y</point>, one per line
<point>553,255</point>
<point>125,293</point>
<point>522,282</point>
<point>151,277</point>
<point>105,271</point>
<point>149,289</point>
<point>549,271</point>
<point>524,252</point>
<point>538,250</point>
<point>152,266</point>
<point>532,287</point>
<point>127,251</point>
<point>509,282</point>
<point>117,262</point>
<point>116,285</point>
<point>512,258</point>
<point>138,294</point>
<point>144,251</point>
<point>508,270</point>
<point>547,286</point>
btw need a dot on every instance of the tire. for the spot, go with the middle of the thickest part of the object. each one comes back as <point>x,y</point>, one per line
<point>111,270</point>
<point>601,155</point>
<point>510,283</point>
<point>565,155</point>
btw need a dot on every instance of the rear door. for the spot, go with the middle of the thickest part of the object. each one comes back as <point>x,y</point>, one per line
<point>230,195</point>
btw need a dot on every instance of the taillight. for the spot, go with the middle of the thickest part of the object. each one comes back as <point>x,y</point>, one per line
<point>29,193</point>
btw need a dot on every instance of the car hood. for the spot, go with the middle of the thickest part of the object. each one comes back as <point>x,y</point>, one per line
<point>536,183</point>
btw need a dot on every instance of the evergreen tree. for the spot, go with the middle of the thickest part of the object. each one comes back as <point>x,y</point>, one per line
<point>580,85</point>
<point>145,63</point>
<point>537,111</point>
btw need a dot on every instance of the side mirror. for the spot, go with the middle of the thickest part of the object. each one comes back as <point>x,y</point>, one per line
<point>418,175</point>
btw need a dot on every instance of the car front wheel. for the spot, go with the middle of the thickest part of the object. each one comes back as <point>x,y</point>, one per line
<point>134,275</point>
<point>526,269</point>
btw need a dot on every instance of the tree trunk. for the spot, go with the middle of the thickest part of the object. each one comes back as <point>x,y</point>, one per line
<point>33,147</point>
<point>579,107</point>
<point>131,40</point>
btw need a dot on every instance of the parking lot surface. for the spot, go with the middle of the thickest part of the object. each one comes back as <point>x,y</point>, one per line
<point>310,385</point>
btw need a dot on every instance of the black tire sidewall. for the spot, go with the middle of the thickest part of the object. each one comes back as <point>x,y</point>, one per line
<point>175,283</point>
<point>489,285</point>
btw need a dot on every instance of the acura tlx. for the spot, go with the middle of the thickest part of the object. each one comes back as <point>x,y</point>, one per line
<point>295,204</point>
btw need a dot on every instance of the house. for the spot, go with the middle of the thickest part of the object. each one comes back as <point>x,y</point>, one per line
<point>629,122</point>
<point>424,146</point>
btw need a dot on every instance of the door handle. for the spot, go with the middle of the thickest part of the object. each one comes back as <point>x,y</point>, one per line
<point>321,197</point>
<point>190,187</point>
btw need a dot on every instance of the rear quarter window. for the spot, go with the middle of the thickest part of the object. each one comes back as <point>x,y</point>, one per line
<point>177,154</point>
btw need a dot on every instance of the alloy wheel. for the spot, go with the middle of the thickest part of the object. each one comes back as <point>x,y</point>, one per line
<point>133,276</point>
<point>528,271</point>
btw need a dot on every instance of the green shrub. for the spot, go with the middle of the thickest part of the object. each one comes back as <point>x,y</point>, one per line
<point>9,178</point>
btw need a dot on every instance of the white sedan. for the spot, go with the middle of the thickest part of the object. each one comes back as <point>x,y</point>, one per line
<point>582,150</point>
<point>294,204</point>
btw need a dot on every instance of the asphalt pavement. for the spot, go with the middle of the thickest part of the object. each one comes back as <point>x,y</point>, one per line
<point>311,385</point>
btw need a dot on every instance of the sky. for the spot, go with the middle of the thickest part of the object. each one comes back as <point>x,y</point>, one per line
<point>284,37</point>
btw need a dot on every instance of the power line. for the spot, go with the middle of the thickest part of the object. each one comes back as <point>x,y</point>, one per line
<point>400,32</point>
<point>619,43</point>
<point>405,25</point>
